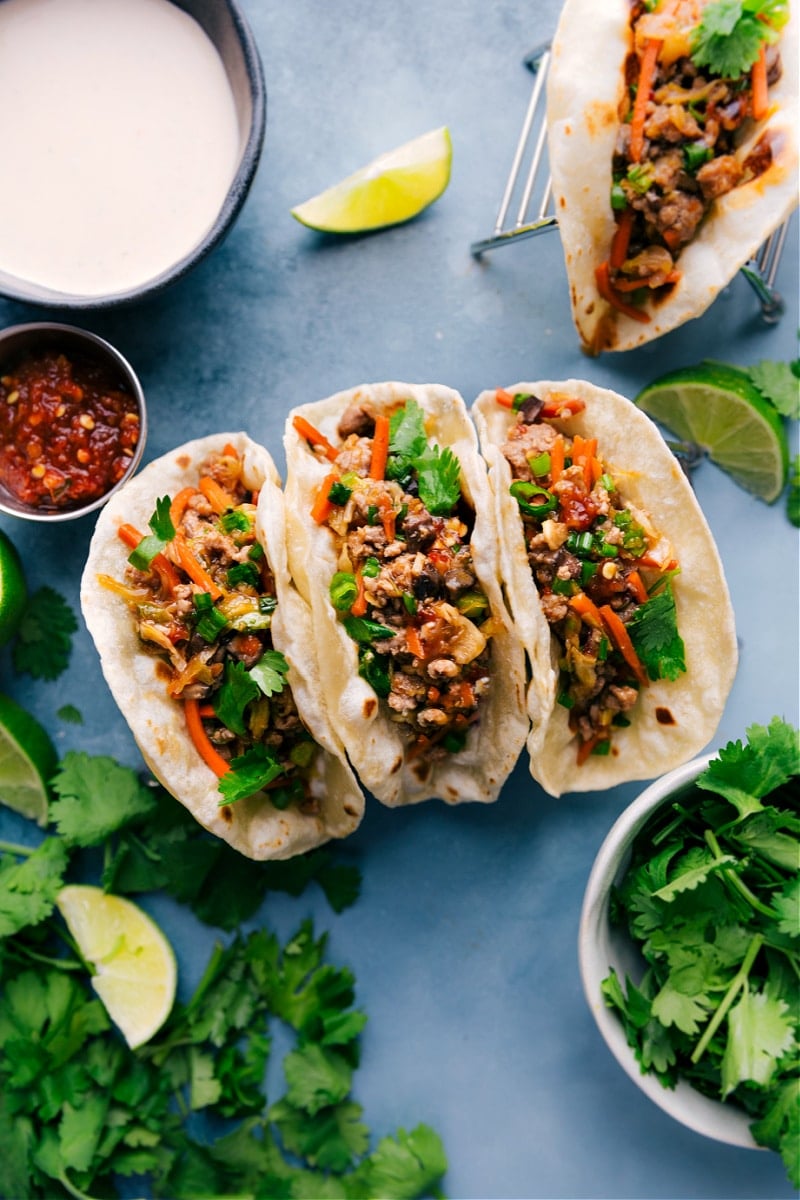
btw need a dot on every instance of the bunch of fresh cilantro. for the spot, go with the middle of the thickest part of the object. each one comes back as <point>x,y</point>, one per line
<point>712,899</point>
<point>730,34</point>
<point>187,1112</point>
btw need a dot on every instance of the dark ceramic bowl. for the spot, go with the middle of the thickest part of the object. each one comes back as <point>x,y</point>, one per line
<point>19,341</point>
<point>226,27</point>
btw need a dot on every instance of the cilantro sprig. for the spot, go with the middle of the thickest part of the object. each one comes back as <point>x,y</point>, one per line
<point>163,531</point>
<point>43,643</point>
<point>437,469</point>
<point>730,33</point>
<point>711,899</point>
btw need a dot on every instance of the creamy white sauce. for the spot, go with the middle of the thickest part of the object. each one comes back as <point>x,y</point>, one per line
<point>118,140</point>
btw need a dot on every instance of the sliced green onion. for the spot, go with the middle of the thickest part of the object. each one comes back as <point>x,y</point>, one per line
<point>410,603</point>
<point>565,700</point>
<point>210,621</point>
<point>375,669</point>
<point>540,465</point>
<point>588,569</point>
<point>524,493</point>
<point>564,587</point>
<point>302,753</point>
<point>453,742</point>
<point>371,568</point>
<point>607,549</point>
<point>372,514</point>
<point>607,482</point>
<point>256,552</point>
<point>695,154</point>
<point>580,544</point>
<point>473,605</point>
<point>519,400</point>
<point>602,649</point>
<point>619,200</point>
<point>602,748</point>
<point>234,519</point>
<point>244,572</point>
<point>343,591</point>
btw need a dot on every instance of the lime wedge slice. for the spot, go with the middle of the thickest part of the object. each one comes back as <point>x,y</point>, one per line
<point>13,592</point>
<point>27,760</point>
<point>135,967</point>
<point>720,409</point>
<point>393,188</point>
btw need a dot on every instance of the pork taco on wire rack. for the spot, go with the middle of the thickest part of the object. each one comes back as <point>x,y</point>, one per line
<point>393,544</point>
<point>208,651</point>
<point>672,136</point>
<point>613,581</point>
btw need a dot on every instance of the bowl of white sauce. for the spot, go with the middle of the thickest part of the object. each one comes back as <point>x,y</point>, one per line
<point>133,133</point>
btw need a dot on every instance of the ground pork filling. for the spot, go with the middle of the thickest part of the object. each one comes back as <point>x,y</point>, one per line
<point>204,609</point>
<point>589,553</point>
<point>407,591</point>
<point>663,189</point>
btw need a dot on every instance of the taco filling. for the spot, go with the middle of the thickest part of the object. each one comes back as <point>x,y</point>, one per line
<point>602,571</point>
<point>202,596</point>
<point>697,78</point>
<point>406,589</point>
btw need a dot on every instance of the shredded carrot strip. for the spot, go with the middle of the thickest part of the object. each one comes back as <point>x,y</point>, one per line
<point>589,452</point>
<point>556,460</point>
<point>201,741</point>
<point>322,507</point>
<point>230,451</point>
<point>622,640</point>
<point>217,497</point>
<point>130,535</point>
<point>606,290</point>
<point>206,710</point>
<point>388,517</point>
<point>596,471</point>
<point>647,70</point>
<point>586,748</point>
<point>167,574</point>
<point>556,405</point>
<point>621,239</point>
<point>758,81</point>
<point>178,506</point>
<point>312,435</point>
<point>504,398</point>
<point>359,605</point>
<point>380,448</point>
<point>414,642</point>
<point>587,609</point>
<point>189,563</point>
<point>639,590</point>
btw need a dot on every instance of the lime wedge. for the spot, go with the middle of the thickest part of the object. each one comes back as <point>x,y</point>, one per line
<point>13,592</point>
<point>27,760</point>
<point>135,967</point>
<point>720,409</point>
<point>393,188</point>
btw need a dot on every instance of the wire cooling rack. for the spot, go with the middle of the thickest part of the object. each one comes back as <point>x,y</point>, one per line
<point>529,188</point>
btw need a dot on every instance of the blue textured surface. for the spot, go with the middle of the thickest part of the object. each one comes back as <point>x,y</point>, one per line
<point>464,939</point>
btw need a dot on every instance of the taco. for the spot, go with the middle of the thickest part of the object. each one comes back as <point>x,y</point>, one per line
<point>208,651</point>
<point>392,542</point>
<point>672,135</point>
<point>607,561</point>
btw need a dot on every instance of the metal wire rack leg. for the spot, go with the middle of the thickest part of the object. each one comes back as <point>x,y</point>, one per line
<point>533,219</point>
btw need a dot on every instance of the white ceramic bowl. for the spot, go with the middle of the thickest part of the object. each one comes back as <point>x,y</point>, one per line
<point>602,945</point>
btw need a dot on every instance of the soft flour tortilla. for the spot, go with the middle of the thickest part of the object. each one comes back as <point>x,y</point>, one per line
<point>651,479</point>
<point>253,826</point>
<point>584,89</point>
<point>373,742</point>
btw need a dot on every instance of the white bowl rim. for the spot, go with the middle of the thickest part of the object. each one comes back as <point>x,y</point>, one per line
<point>712,1118</point>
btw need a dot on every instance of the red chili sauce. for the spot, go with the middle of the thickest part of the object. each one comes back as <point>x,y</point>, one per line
<point>68,430</point>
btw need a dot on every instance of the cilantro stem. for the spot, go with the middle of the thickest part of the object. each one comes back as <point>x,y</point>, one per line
<point>738,884</point>
<point>68,1187</point>
<point>738,981</point>
<point>16,848</point>
<point>23,954</point>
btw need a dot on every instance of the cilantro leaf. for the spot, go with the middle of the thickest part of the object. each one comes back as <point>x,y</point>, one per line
<point>163,531</point>
<point>28,889</point>
<point>70,714</point>
<point>787,905</point>
<point>759,1032</point>
<point>407,437</point>
<point>270,672</point>
<point>329,1139</point>
<point>729,35</point>
<point>654,632</point>
<point>43,643</point>
<point>95,796</point>
<point>438,478</point>
<point>404,1166</point>
<point>777,383</point>
<point>744,774</point>
<point>249,773</point>
<point>317,1077</point>
<point>237,691</point>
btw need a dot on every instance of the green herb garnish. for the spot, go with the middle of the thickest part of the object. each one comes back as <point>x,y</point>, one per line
<point>43,642</point>
<point>654,632</point>
<point>362,629</point>
<point>250,773</point>
<point>270,672</point>
<point>438,474</point>
<point>729,35</point>
<point>163,531</point>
